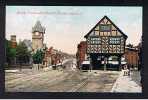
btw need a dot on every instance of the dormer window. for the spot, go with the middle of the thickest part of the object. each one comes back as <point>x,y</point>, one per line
<point>105,27</point>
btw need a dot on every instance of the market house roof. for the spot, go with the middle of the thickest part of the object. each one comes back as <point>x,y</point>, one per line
<point>105,17</point>
<point>38,28</point>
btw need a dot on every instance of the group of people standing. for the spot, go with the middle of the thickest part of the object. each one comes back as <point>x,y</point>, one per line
<point>126,70</point>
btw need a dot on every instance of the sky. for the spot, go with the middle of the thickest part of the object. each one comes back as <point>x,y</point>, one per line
<point>66,26</point>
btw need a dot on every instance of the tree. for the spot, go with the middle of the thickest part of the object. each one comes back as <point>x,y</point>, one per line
<point>38,57</point>
<point>22,53</point>
<point>10,53</point>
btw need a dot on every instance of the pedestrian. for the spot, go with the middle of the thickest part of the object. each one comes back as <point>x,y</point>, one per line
<point>125,70</point>
<point>141,76</point>
<point>64,67</point>
<point>128,70</point>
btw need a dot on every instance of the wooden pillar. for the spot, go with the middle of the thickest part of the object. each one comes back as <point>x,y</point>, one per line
<point>90,67</point>
<point>105,62</point>
<point>119,59</point>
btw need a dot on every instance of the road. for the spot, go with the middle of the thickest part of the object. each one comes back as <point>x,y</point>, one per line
<point>69,79</point>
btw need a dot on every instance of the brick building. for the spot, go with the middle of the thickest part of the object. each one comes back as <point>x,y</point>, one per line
<point>13,41</point>
<point>47,57</point>
<point>131,56</point>
<point>81,52</point>
<point>52,57</point>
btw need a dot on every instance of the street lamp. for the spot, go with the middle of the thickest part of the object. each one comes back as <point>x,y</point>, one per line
<point>90,64</point>
<point>105,59</point>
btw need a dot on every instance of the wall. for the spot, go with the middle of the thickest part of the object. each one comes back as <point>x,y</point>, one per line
<point>131,57</point>
<point>81,52</point>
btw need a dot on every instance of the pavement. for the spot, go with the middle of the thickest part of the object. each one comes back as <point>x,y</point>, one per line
<point>128,84</point>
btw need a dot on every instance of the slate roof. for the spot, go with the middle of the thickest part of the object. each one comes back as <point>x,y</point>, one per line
<point>38,27</point>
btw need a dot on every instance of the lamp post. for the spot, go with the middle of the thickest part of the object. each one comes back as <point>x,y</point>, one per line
<point>90,64</point>
<point>105,59</point>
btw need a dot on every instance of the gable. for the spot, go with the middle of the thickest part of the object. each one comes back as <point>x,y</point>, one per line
<point>105,27</point>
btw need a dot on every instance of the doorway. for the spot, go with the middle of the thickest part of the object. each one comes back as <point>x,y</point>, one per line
<point>95,61</point>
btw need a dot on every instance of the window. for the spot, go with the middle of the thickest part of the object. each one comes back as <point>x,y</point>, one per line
<point>105,28</point>
<point>36,33</point>
<point>114,40</point>
<point>114,58</point>
<point>95,40</point>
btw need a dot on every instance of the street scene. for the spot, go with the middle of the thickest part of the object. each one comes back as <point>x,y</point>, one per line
<point>68,80</point>
<point>62,49</point>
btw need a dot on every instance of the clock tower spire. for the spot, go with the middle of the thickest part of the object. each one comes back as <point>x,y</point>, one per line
<point>38,32</point>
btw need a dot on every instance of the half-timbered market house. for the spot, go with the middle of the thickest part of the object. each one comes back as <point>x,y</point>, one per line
<point>105,44</point>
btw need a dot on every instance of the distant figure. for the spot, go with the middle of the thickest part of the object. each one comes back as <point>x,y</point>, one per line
<point>126,70</point>
<point>129,69</point>
<point>64,67</point>
<point>141,76</point>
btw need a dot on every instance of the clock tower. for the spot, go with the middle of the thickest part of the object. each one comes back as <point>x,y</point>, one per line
<point>38,32</point>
